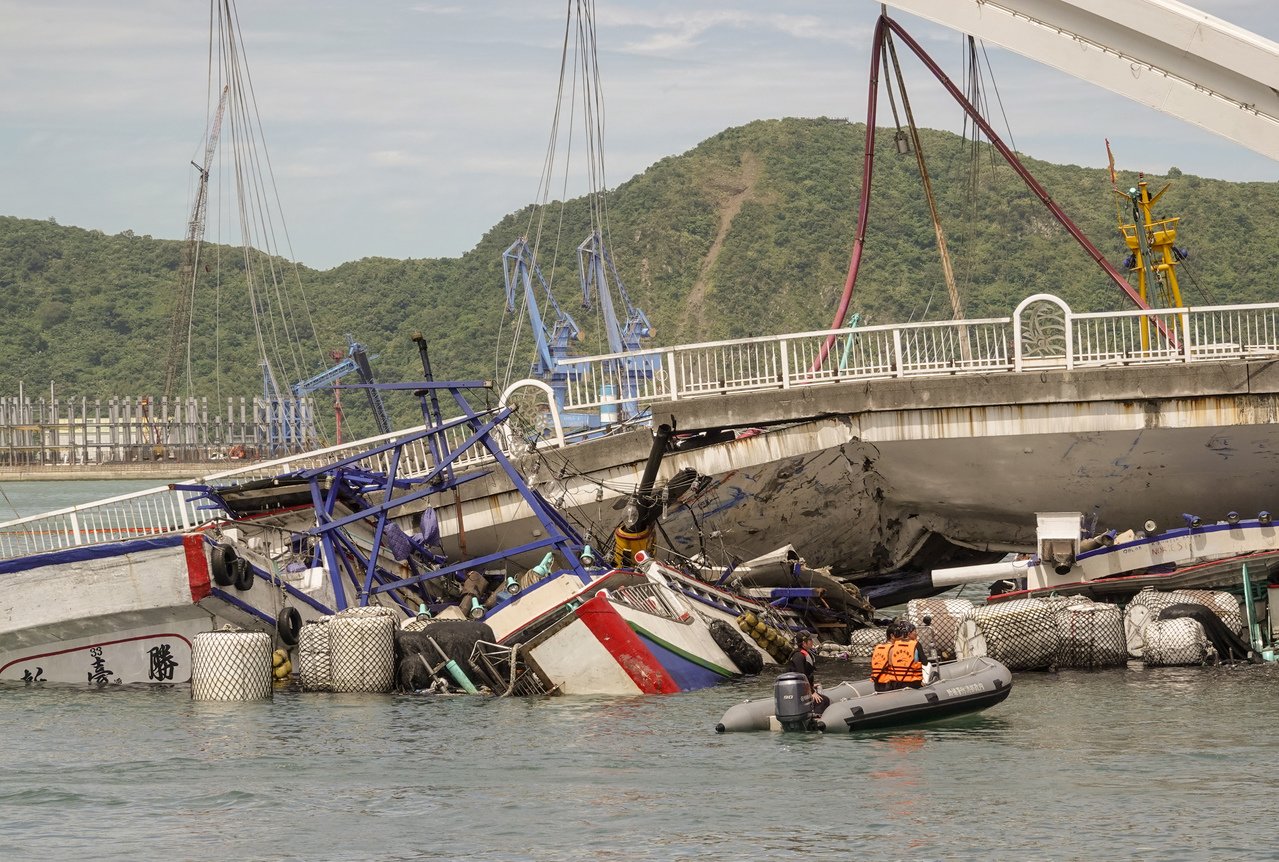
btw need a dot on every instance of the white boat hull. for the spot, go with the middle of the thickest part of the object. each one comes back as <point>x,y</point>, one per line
<point>127,612</point>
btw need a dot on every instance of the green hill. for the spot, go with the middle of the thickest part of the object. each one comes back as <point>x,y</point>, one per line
<point>747,234</point>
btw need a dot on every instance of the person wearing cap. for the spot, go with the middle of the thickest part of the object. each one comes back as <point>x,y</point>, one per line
<point>801,661</point>
<point>899,661</point>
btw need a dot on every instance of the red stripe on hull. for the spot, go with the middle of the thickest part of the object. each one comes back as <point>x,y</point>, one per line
<point>625,645</point>
<point>197,567</point>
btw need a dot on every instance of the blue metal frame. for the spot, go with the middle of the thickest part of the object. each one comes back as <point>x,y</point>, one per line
<point>343,556</point>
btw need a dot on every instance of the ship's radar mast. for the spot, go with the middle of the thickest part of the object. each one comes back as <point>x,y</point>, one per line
<point>1152,250</point>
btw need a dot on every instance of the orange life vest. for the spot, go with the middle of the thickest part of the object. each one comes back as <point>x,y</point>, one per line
<point>894,661</point>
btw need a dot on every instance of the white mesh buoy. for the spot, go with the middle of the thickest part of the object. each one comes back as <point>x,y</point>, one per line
<point>861,643</point>
<point>946,616</point>
<point>1136,617</point>
<point>1176,642</point>
<point>362,650</point>
<point>1092,635</point>
<point>315,668</point>
<point>231,665</point>
<point>1021,634</point>
<point>1144,609</point>
<point>1221,603</point>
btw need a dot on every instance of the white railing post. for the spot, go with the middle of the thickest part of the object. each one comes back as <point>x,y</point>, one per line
<point>674,384</point>
<point>784,348</point>
<point>1070,339</point>
<point>182,510</point>
<point>76,538</point>
<point>1184,317</point>
<point>899,369</point>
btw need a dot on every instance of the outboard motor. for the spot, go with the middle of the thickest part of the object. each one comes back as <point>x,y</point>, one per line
<point>793,702</point>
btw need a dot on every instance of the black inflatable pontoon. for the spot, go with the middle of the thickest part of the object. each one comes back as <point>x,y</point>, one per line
<point>967,685</point>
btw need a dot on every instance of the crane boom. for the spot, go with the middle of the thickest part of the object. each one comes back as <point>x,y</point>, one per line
<point>519,268</point>
<point>356,360</point>
<point>181,322</point>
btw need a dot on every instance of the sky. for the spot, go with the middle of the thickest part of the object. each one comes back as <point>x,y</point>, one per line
<point>407,129</point>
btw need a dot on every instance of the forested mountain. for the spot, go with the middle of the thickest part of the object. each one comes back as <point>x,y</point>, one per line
<point>747,234</point>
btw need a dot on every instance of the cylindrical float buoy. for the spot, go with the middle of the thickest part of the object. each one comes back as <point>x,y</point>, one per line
<point>281,666</point>
<point>363,650</point>
<point>230,664</point>
<point>315,667</point>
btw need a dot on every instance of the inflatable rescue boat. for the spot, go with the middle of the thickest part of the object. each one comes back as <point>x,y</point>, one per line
<point>959,687</point>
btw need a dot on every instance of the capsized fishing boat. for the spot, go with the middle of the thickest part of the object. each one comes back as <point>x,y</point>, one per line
<point>623,634</point>
<point>349,529</point>
<point>265,554</point>
<point>957,688</point>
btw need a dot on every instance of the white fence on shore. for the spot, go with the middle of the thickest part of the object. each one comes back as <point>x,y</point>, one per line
<point>1041,334</point>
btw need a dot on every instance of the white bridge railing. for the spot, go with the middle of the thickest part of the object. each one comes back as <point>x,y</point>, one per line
<point>1042,334</point>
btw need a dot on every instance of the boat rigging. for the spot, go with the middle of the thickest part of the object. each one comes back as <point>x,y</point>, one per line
<point>180,330</point>
<point>237,195</point>
<point>579,89</point>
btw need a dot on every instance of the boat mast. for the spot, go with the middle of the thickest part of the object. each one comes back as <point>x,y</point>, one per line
<point>1151,243</point>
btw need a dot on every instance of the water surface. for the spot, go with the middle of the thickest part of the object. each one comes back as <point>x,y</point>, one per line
<point>1120,764</point>
<point>1150,764</point>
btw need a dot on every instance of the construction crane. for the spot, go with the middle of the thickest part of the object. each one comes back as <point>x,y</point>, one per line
<point>180,325</point>
<point>594,266</point>
<point>519,269</point>
<point>598,274</point>
<point>357,360</point>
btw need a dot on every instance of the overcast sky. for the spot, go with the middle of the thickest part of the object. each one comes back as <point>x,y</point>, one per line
<point>406,129</point>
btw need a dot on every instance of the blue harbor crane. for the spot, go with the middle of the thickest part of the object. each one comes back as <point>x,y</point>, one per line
<point>357,361</point>
<point>594,266</point>
<point>519,269</point>
<point>597,272</point>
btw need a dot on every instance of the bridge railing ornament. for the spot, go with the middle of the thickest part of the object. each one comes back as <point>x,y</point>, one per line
<point>1042,333</point>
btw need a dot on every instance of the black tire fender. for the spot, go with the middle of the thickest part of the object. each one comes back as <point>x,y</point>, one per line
<point>222,560</point>
<point>289,625</point>
<point>244,577</point>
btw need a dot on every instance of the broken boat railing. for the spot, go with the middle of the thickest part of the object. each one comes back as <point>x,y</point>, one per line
<point>1043,333</point>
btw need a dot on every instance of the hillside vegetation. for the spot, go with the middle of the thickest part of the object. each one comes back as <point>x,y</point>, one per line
<point>747,234</point>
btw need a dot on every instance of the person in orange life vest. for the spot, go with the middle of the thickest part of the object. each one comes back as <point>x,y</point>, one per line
<point>802,662</point>
<point>899,661</point>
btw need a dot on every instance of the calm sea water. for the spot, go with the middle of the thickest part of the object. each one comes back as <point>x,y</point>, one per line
<point>1149,764</point>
